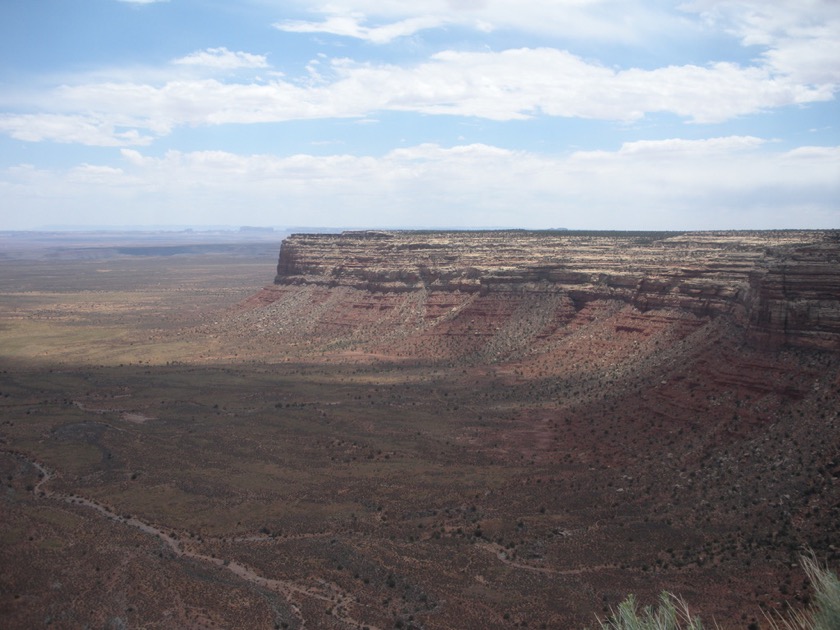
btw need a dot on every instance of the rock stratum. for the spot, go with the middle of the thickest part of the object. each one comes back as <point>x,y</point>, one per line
<point>781,287</point>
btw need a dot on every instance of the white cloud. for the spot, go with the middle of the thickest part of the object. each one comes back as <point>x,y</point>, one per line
<point>222,59</point>
<point>75,129</point>
<point>507,85</point>
<point>728,182</point>
<point>797,62</point>
<point>519,83</point>
<point>707,147</point>
<point>351,26</point>
<point>800,38</point>
<point>90,174</point>
<point>601,20</point>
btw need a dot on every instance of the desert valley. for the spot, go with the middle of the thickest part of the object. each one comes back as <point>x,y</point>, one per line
<point>448,430</point>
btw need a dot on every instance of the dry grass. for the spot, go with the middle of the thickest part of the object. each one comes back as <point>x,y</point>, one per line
<point>671,614</point>
<point>823,613</point>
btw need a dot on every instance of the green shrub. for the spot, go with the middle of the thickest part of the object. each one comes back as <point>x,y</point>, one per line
<point>824,611</point>
<point>672,614</point>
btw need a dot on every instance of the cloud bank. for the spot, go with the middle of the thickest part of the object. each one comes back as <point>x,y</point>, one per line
<point>513,84</point>
<point>726,182</point>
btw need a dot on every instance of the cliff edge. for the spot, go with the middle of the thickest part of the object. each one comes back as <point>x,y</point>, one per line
<point>782,286</point>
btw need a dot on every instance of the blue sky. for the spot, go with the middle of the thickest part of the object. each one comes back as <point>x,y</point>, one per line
<point>599,114</point>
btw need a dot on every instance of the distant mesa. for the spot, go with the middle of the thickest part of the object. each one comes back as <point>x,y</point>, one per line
<point>782,287</point>
<point>251,229</point>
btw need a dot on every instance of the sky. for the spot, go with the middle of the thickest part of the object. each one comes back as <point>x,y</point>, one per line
<point>580,114</point>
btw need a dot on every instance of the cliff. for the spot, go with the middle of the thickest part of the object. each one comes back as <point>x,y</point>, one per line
<point>783,286</point>
<point>795,298</point>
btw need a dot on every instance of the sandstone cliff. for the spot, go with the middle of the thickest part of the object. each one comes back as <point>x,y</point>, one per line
<point>783,286</point>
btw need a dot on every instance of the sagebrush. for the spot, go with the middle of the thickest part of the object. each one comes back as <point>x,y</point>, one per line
<point>672,613</point>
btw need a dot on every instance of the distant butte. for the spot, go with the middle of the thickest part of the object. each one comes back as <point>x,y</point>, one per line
<point>782,287</point>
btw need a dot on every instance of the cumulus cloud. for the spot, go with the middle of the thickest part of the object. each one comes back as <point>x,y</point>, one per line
<point>707,147</point>
<point>797,62</point>
<point>601,20</point>
<point>507,85</point>
<point>726,182</point>
<point>92,174</point>
<point>352,26</point>
<point>800,38</point>
<point>75,129</point>
<point>522,82</point>
<point>755,22</point>
<point>222,59</point>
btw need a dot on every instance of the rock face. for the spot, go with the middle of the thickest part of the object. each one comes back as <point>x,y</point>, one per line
<point>783,286</point>
<point>795,300</point>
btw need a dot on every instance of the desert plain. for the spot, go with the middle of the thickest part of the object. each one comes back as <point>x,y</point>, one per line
<point>423,430</point>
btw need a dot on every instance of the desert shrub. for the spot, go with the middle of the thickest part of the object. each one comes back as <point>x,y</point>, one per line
<point>824,611</point>
<point>671,614</point>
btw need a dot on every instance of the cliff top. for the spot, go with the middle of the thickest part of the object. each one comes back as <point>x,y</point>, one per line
<point>412,256</point>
